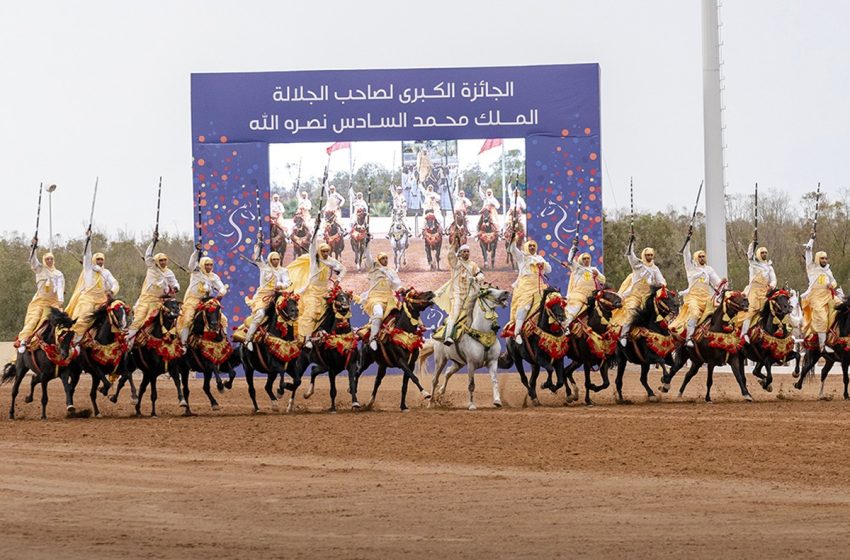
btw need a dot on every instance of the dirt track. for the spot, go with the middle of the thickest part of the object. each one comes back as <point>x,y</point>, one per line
<point>766,479</point>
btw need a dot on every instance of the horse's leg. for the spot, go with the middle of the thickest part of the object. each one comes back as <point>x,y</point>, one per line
<point>644,375</point>
<point>34,381</point>
<point>844,364</point>
<point>695,365</point>
<point>679,359</point>
<point>588,385</point>
<point>404,382</point>
<point>618,381</point>
<point>493,366</point>
<point>44,381</point>
<point>142,387</point>
<point>95,382</point>
<point>737,365</point>
<point>382,371</point>
<point>809,364</point>
<point>768,379</point>
<point>451,370</point>
<point>295,373</point>
<point>439,366</point>
<point>823,374</point>
<point>570,383</point>
<point>207,392</point>
<point>532,382</point>
<point>219,385</point>
<point>332,380</point>
<point>249,379</point>
<point>314,373</point>
<point>69,392</point>
<point>471,373</point>
<point>153,396</point>
<point>270,377</point>
<point>184,403</point>
<point>20,371</point>
<point>408,370</point>
<point>709,381</point>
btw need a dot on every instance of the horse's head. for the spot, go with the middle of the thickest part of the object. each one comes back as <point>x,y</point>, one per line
<point>779,302</point>
<point>286,306</point>
<point>666,301</point>
<point>416,300</point>
<point>460,217</point>
<point>430,219</point>
<point>554,310</point>
<point>735,302</point>
<point>361,214</point>
<point>208,315</point>
<point>606,301</point>
<point>494,296</point>
<point>169,312</point>
<point>330,216</point>
<point>298,221</point>
<point>59,327</point>
<point>117,313</point>
<point>340,301</point>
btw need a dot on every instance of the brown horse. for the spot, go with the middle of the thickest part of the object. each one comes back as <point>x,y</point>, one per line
<point>301,236</point>
<point>334,234</point>
<point>514,231</point>
<point>458,230</point>
<point>432,233</point>
<point>359,231</point>
<point>488,237</point>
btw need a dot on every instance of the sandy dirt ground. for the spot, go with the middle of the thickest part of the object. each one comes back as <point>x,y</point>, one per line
<point>669,479</point>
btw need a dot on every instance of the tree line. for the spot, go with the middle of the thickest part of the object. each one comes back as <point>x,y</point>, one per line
<point>784,226</point>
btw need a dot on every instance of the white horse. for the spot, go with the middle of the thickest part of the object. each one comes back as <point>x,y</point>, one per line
<point>478,346</point>
<point>399,237</point>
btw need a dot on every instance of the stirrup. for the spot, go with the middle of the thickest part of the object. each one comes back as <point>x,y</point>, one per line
<point>518,339</point>
<point>308,343</point>
<point>373,344</point>
<point>250,345</point>
<point>689,343</point>
<point>623,342</point>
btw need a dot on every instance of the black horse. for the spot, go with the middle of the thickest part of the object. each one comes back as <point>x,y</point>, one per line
<point>771,341</point>
<point>49,354</point>
<point>276,347</point>
<point>716,342</point>
<point>334,235</point>
<point>399,341</point>
<point>208,350</point>
<point>103,349</point>
<point>514,233</point>
<point>357,237</point>
<point>592,340</point>
<point>335,347</point>
<point>157,351</point>
<point>838,339</point>
<point>544,343</point>
<point>650,341</point>
<point>301,236</point>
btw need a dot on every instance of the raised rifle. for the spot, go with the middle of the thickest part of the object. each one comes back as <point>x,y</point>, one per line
<point>693,217</point>
<point>756,219</point>
<point>91,217</point>
<point>37,219</point>
<point>158,200</point>
<point>817,208</point>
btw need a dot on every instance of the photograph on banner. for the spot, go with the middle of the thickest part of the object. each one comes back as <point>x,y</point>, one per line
<point>414,198</point>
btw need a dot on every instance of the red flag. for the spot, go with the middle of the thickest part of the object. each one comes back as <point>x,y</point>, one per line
<point>491,143</point>
<point>340,146</point>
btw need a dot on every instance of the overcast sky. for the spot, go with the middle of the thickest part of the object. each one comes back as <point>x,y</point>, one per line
<point>102,87</point>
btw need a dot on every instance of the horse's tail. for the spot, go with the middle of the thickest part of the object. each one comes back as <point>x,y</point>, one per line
<point>505,360</point>
<point>8,373</point>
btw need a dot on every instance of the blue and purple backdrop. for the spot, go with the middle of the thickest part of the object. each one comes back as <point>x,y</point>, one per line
<point>235,116</point>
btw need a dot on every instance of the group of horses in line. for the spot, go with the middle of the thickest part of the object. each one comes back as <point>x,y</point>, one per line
<point>547,343</point>
<point>487,233</point>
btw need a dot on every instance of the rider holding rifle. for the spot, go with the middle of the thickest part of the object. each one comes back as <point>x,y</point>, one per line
<point>762,277</point>
<point>50,288</point>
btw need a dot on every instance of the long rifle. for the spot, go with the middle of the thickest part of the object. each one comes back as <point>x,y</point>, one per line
<point>298,178</point>
<point>37,219</point>
<point>693,217</point>
<point>817,208</point>
<point>91,217</point>
<point>260,236</point>
<point>756,219</point>
<point>631,211</point>
<point>321,198</point>
<point>158,200</point>
<point>513,213</point>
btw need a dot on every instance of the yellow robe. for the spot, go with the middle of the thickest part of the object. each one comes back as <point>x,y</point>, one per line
<point>818,307</point>
<point>45,298</point>
<point>633,302</point>
<point>581,286</point>
<point>528,289</point>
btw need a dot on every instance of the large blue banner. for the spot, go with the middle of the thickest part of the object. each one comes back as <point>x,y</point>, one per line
<point>235,116</point>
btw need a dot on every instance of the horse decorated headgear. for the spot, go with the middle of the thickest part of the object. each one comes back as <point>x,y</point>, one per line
<point>554,299</point>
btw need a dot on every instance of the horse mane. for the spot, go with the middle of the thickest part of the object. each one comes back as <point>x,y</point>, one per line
<point>57,317</point>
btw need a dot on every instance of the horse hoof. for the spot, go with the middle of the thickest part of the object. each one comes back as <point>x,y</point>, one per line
<point>653,398</point>
<point>220,387</point>
<point>798,386</point>
<point>309,392</point>
<point>426,395</point>
<point>709,401</point>
<point>104,391</point>
<point>153,415</point>
<point>28,400</point>
<point>275,406</point>
<point>98,415</point>
<point>188,412</point>
<point>183,403</point>
<point>679,395</point>
<point>331,410</point>
<point>113,398</point>
<point>279,392</point>
<point>134,400</point>
<point>472,407</point>
<point>405,409</point>
<point>369,404</point>
<point>497,404</point>
<point>769,388</point>
<point>795,375</point>
<point>535,402</point>
<point>356,405</point>
<point>748,398</point>
<point>216,407</point>
<point>70,409</point>
<point>228,385</point>
<point>664,388</point>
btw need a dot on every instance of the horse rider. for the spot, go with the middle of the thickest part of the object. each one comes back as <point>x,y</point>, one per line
<point>159,282</point>
<point>275,211</point>
<point>95,287</point>
<point>762,280</point>
<point>399,201</point>
<point>462,203</point>
<point>703,285</point>
<point>49,292</point>
<point>310,274</point>
<point>423,166</point>
<point>379,298</point>
<point>357,203</point>
<point>431,200</point>
<point>334,202</point>
<point>203,282</point>
<point>518,207</point>
<point>304,206</point>
<point>465,275</point>
<point>529,285</point>
<point>273,277</point>
<point>491,203</point>
<point>584,280</point>
<point>636,288</point>
<point>819,300</point>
